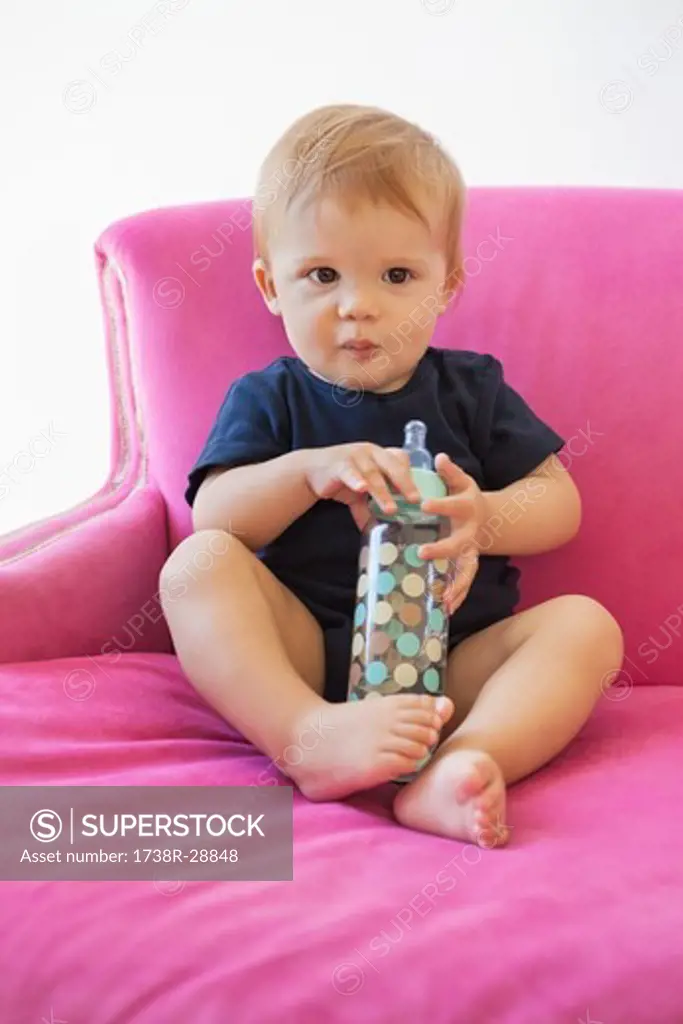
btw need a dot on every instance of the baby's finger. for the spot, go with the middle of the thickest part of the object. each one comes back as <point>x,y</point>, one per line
<point>458,544</point>
<point>396,464</point>
<point>467,562</point>
<point>452,506</point>
<point>350,475</point>
<point>451,473</point>
<point>376,484</point>
<point>361,514</point>
<point>467,566</point>
<point>437,549</point>
<point>456,593</point>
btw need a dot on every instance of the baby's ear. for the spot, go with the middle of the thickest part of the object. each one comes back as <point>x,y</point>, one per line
<point>264,283</point>
<point>446,295</point>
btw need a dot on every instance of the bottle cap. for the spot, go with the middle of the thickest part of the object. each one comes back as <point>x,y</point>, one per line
<point>428,483</point>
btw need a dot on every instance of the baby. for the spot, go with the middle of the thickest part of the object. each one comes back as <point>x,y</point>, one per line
<point>359,252</point>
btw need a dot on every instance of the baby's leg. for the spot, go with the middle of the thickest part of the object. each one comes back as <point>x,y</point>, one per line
<point>522,690</point>
<point>255,653</point>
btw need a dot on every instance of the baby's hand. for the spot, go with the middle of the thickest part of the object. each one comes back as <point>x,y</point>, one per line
<point>350,472</point>
<point>464,507</point>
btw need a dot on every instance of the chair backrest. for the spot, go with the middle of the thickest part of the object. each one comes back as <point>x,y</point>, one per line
<point>578,291</point>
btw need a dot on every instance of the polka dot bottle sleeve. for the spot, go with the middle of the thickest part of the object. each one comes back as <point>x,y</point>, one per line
<point>400,627</point>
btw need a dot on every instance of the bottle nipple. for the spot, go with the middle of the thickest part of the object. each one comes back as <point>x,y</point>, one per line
<point>415,436</point>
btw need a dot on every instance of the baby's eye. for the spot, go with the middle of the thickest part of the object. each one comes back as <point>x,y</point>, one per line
<point>323,275</point>
<point>398,275</point>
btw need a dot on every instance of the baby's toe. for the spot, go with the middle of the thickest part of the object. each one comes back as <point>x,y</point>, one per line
<point>487,804</point>
<point>418,733</point>
<point>476,778</point>
<point>493,836</point>
<point>489,826</point>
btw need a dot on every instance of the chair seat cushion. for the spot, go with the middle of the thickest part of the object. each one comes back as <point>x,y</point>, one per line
<point>579,918</point>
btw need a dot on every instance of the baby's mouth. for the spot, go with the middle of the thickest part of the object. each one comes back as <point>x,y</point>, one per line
<point>361,348</point>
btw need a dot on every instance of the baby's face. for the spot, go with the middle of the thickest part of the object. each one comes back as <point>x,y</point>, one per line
<point>358,290</point>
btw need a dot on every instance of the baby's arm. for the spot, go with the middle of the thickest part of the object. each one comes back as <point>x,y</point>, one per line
<point>257,502</point>
<point>537,513</point>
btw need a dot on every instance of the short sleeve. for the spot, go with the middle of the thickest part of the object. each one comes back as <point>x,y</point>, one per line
<point>252,426</point>
<point>512,439</point>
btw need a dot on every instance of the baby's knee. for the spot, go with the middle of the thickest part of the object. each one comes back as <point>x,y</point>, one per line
<point>593,619</point>
<point>195,560</point>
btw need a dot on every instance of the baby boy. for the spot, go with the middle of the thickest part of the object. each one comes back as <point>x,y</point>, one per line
<point>359,253</point>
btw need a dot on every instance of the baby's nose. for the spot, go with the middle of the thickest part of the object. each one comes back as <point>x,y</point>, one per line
<point>357,305</point>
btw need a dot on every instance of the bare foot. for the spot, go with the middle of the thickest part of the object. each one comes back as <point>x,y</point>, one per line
<point>348,747</point>
<point>460,794</point>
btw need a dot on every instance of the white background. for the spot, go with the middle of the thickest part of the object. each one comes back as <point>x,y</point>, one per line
<point>109,109</point>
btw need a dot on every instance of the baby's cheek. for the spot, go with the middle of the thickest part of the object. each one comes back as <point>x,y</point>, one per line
<point>380,361</point>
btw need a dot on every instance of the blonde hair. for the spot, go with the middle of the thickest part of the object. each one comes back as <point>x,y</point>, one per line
<point>358,152</point>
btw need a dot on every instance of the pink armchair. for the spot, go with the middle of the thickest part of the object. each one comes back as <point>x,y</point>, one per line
<point>581,917</point>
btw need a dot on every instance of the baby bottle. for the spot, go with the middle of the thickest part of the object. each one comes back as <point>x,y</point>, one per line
<point>400,626</point>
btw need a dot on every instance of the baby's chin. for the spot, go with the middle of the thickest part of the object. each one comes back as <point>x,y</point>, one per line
<point>382,378</point>
<point>378,372</point>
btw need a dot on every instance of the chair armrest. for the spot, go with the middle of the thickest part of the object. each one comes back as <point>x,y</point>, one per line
<point>90,588</point>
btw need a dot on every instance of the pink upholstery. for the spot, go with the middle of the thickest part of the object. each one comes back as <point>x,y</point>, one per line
<point>581,912</point>
<point>89,590</point>
<point>580,918</point>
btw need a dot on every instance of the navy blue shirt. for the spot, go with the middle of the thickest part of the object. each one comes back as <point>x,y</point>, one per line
<point>471,413</point>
